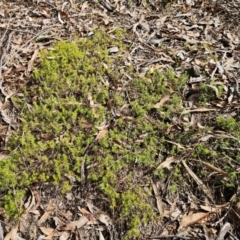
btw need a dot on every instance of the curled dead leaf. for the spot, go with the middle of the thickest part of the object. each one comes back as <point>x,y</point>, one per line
<point>46,231</point>
<point>162,101</point>
<point>167,163</point>
<point>75,224</point>
<point>101,134</point>
<point>13,233</point>
<point>104,219</point>
<point>193,218</point>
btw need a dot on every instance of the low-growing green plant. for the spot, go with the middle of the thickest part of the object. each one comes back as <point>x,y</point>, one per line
<point>226,123</point>
<point>73,95</point>
<point>79,113</point>
<point>220,90</point>
<point>206,94</point>
<point>13,202</point>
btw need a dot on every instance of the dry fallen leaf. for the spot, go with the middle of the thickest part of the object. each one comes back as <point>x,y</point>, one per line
<point>198,181</point>
<point>92,105</point>
<point>84,6</point>
<point>75,224</point>
<point>90,216</point>
<point>99,215</point>
<point>58,221</point>
<point>104,218</point>
<point>177,144</point>
<point>193,218</point>
<point>46,230</point>
<point>84,211</point>
<point>201,109</point>
<point>101,134</point>
<point>231,64</point>
<point>1,232</point>
<point>65,236</point>
<point>216,208</point>
<point>101,237</point>
<point>54,233</point>
<point>46,12</point>
<point>46,215</point>
<point>30,203</point>
<point>224,230</point>
<point>13,233</point>
<point>213,168</point>
<point>162,101</point>
<point>30,63</point>
<point>167,163</point>
<point>206,138</point>
<point>158,199</point>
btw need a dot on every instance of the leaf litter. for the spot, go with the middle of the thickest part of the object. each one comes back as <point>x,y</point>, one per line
<point>198,35</point>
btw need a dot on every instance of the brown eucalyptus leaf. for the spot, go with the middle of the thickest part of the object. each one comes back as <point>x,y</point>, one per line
<point>46,230</point>
<point>200,183</point>
<point>200,109</point>
<point>65,236</point>
<point>213,168</point>
<point>50,208</point>
<point>158,199</point>
<point>30,63</point>
<point>75,224</point>
<point>101,237</point>
<point>167,163</point>
<point>162,101</point>
<point>101,134</point>
<point>104,218</point>
<point>13,233</point>
<point>193,218</point>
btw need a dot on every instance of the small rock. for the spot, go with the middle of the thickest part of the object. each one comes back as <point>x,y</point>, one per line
<point>194,71</point>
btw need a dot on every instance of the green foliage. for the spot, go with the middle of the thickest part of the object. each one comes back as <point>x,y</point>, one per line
<point>13,201</point>
<point>71,96</point>
<point>205,151</point>
<point>220,90</point>
<point>206,94</point>
<point>227,124</point>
